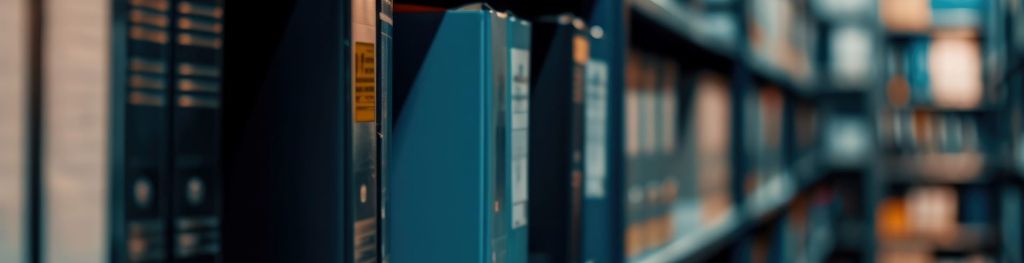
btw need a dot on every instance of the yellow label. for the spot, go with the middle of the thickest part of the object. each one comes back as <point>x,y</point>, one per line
<point>364,87</point>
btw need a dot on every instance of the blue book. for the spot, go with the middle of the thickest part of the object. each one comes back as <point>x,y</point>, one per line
<point>450,185</point>
<point>602,227</point>
<point>601,234</point>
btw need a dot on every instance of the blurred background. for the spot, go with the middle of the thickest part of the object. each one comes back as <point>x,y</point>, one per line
<point>737,130</point>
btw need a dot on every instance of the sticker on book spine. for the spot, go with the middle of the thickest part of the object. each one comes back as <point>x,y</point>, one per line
<point>364,88</point>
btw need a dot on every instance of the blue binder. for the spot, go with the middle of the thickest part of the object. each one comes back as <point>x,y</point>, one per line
<point>451,183</point>
<point>603,210</point>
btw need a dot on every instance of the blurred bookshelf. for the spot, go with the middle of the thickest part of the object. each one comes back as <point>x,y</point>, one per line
<point>512,131</point>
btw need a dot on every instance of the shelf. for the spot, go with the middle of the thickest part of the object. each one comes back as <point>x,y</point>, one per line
<point>964,238</point>
<point>668,14</point>
<point>762,203</point>
<point>946,168</point>
<point>984,108</point>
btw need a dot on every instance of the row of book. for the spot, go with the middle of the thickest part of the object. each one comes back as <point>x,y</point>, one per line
<point>114,114</point>
<point>914,16</point>
<point>943,70</point>
<point>135,96</point>
<point>927,131</point>
<point>923,221</point>
<point>804,233</point>
<point>783,34</point>
<point>156,132</point>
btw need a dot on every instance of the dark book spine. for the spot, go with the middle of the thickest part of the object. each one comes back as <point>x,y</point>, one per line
<point>385,23</point>
<point>196,82</point>
<point>580,56</point>
<point>147,86</point>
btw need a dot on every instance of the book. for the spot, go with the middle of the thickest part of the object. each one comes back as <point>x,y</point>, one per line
<point>763,135</point>
<point>385,24</point>
<point>633,186</point>
<point>305,157</point>
<point>520,43</point>
<point>363,173</point>
<point>452,95</point>
<point>195,72</point>
<point>85,101</point>
<point>560,53</point>
<point>130,159</point>
<point>14,129</point>
<point>711,114</point>
<point>944,71</point>
<point>601,239</point>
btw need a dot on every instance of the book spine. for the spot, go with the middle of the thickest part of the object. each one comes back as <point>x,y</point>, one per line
<point>384,60</point>
<point>499,139</point>
<point>146,131</point>
<point>362,191</point>
<point>76,126</point>
<point>519,131</point>
<point>196,77</point>
<point>634,190</point>
<point>580,56</point>
<point>14,129</point>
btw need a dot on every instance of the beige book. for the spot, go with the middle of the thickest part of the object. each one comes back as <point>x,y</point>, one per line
<point>14,35</point>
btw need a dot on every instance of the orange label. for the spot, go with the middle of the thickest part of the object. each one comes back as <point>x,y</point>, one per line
<point>364,86</point>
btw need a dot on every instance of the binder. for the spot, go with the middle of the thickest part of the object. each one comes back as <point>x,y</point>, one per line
<point>561,52</point>
<point>14,129</point>
<point>598,198</point>
<point>449,188</point>
<point>305,156</point>
<point>518,145</point>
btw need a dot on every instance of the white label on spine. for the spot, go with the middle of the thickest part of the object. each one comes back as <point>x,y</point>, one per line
<point>519,64</point>
<point>596,119</point>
